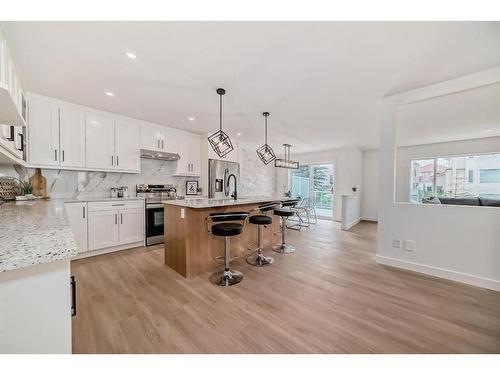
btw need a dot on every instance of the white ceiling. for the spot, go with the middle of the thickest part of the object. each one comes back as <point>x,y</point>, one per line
<point>321,81</point>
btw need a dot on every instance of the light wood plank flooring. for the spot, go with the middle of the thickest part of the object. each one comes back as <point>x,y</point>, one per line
<point>328,297</point>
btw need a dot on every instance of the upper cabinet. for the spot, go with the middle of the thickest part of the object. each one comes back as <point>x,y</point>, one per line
<point>112,144</point>
<point>190,152</point>
<point>159,138</point>
<point>13,103</point>
<point>65,135</point>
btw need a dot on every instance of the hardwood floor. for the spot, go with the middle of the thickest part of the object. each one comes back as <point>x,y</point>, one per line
<point>328,297</point>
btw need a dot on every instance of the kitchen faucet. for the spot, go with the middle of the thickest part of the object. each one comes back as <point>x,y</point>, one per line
<point>235,193</point>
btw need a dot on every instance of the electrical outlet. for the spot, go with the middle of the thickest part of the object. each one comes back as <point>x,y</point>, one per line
<point>396,244</point>
<point>183,213</point>
<point>409,245</point>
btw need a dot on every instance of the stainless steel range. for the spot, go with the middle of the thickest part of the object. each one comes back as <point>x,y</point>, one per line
<point>153,195</point>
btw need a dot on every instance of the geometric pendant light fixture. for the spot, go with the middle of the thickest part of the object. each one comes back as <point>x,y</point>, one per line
<point>265,152</point>
<point>286,162</point>
<point>220,141</point>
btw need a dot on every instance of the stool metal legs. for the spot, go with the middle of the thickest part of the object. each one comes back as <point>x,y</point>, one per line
<point>229,277</point>
<point>283,248</point>
<point>259,259</point>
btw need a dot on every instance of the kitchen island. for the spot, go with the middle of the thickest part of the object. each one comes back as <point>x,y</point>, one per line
<point>191,250</point>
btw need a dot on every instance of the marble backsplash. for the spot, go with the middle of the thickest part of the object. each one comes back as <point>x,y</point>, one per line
<point>84,184</point>
<point>257,179</point>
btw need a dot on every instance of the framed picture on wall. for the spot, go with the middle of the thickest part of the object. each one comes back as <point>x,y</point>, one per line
<point>191,187</point>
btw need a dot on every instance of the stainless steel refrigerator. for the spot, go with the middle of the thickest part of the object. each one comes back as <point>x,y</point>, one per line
<point>218,174</point>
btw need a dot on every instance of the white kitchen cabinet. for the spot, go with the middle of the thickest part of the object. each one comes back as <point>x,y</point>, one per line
<point>11,140</point>
<point>159,138</point>
<point>103,229</point>
<point>100,135</point>
<point>43,131</point>
<point>190,153</point>
<point>151,137</point>
<point>77,216</point>
<point>170,141</point>
<point>127,146</point>
<point>131,228</point>
<point>72,136</point>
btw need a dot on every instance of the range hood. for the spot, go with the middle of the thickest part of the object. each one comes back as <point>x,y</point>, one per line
<point>159,155</point>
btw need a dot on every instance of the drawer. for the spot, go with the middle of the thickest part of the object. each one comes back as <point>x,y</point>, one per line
<point>115,205</point>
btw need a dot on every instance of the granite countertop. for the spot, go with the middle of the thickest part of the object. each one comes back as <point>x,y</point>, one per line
<point>217,202</point>
<point>34,232</point>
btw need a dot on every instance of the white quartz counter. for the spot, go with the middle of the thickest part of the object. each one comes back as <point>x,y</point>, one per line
<point>102,199</point>
<point>215,202</point>
<point>34,232</point>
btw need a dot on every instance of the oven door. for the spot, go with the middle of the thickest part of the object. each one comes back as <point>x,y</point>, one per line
<point>154,224</point>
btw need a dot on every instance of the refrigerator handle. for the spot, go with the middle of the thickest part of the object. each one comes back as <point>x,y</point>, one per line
<point>226,193</point>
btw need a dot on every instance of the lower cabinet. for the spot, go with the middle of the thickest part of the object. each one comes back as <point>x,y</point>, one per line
<point>77,215</point>
<point>115,223</point>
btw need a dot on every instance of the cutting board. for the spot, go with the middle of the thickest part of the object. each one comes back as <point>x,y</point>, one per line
<point>39,184</point>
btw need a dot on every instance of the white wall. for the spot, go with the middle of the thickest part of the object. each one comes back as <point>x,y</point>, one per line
<point>348,166</point>
<point>457,242</point>
<point>371,181</point>
<point>442,149</point>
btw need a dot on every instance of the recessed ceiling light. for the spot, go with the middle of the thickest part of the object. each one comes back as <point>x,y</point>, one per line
<point>131,55</point>
<point>238,134</point>
<point>108,93</point>
<point>191,118</point>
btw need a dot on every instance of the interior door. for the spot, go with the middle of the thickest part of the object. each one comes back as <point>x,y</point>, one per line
<point>72,136</point>
<point>127,146</point>
<point>131,225</point>
<point>43,131</point>
<point>100,147</point>
<point>103,229</point>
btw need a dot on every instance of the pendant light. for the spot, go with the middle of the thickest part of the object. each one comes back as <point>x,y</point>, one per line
<point>265,152</point>
<point>286,162</point>
<point>220,141</point>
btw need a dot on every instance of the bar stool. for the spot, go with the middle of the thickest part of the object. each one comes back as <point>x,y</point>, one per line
<point>227,227</point>
<point>285,212</point>
<point>259,260</point>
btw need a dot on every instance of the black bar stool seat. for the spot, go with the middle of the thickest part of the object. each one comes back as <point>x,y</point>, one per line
<point>260,219</point>
<point>284,212</point>
<point>227,229</point>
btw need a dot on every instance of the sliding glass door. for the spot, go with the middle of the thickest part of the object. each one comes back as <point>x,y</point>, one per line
<point>315,181</point>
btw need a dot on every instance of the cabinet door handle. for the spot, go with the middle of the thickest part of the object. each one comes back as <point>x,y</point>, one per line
<point>116,219</point>
<point>162,144</point>
<point>62,155</point>
<point>55,155</point>
<point>73,296</point>
<point>158,143</point>
<point>21,142</point>
<point>121,218</point>
<point>83,212</point>
<point>112,160</point>
<point>117,161</point>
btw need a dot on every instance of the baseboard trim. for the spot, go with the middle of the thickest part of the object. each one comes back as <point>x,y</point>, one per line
<point>443,273</point>
<point>367,218</point>
<point>349,226</point>
<point>107,250</point>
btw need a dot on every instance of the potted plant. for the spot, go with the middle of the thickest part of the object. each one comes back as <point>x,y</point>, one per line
<point>27,189</point>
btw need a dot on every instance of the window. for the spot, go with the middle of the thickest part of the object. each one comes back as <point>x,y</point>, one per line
<point>487,176</point>
<point>454,177</point>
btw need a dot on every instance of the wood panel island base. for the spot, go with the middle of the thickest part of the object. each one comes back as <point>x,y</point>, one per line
<point>191,250</point>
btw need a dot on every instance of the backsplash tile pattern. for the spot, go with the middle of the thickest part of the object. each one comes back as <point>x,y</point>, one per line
<point>83,184</point>
<point>257,179</point>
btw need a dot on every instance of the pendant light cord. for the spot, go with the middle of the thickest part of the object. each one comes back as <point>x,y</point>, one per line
<point>220,112</point>
<point>266,129</point>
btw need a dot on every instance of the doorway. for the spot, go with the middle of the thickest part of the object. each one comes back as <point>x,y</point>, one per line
<point>316,182</point>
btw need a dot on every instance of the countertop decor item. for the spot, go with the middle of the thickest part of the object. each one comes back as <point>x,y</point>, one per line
<point>265,152</point>
<point>191,187</point>
<point>39,184</point>
<point>10,187</point>
<point>220,141</point>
